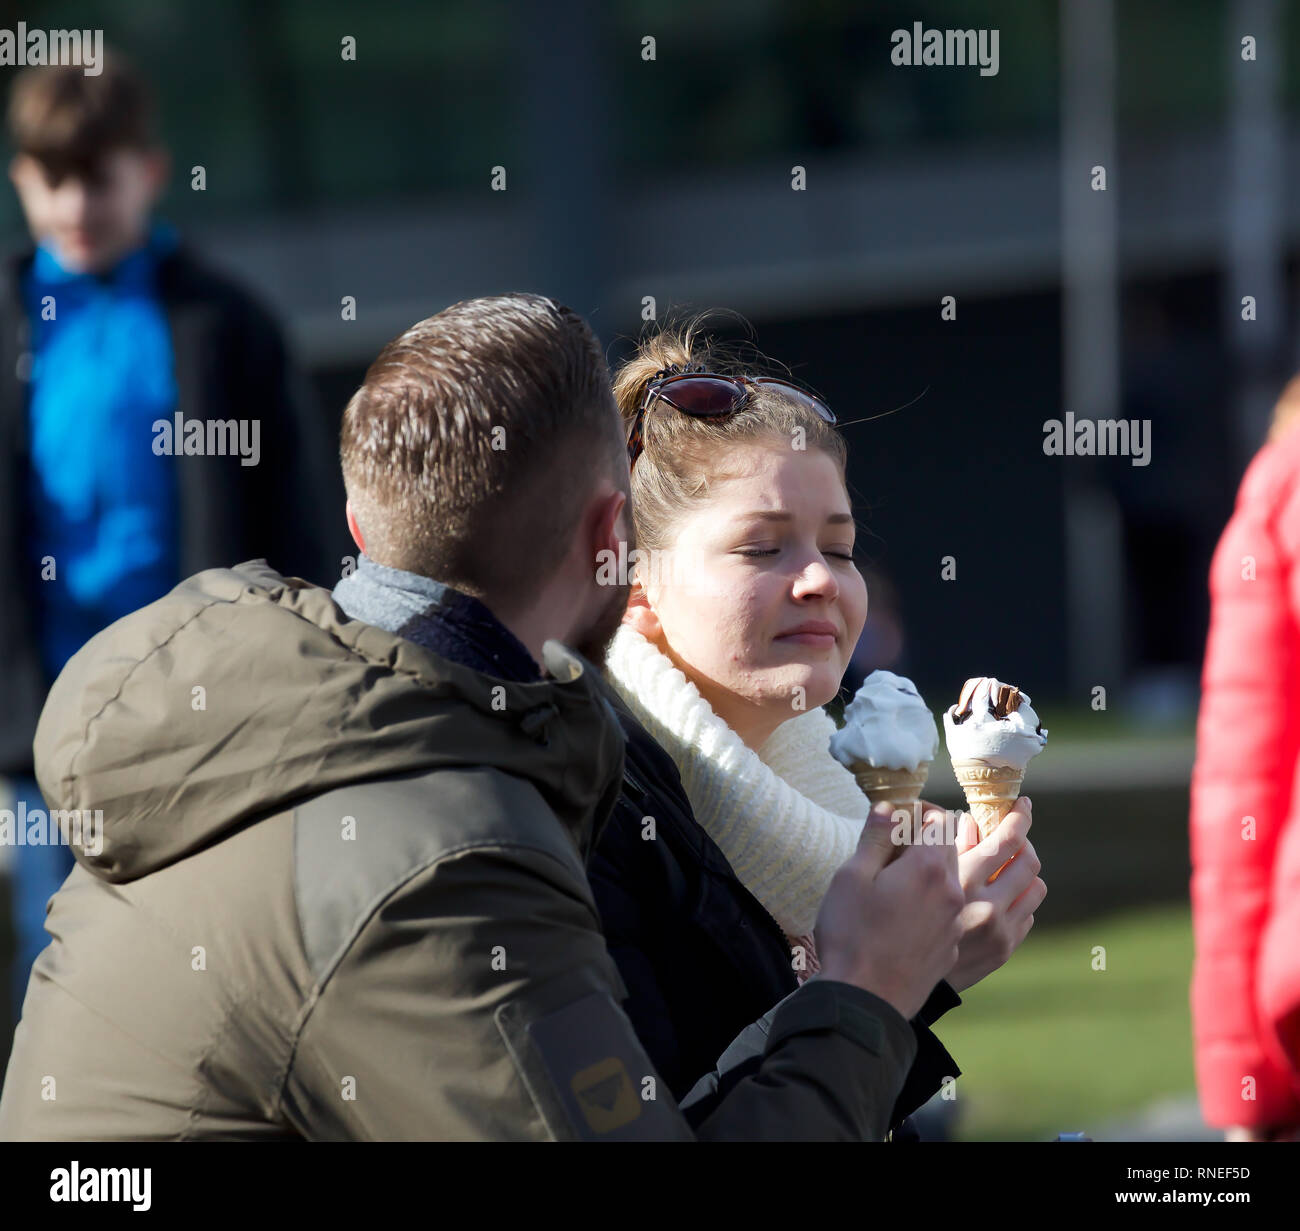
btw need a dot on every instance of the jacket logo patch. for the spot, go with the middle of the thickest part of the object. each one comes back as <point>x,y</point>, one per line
<point>604,1092</point>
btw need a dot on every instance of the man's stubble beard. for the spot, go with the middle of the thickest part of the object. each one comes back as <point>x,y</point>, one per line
<point>593,644</point>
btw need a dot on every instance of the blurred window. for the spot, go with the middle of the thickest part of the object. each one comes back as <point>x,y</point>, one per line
<point>256,91</point>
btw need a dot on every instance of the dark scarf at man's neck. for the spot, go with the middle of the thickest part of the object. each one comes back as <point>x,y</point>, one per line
<point>436,616</point>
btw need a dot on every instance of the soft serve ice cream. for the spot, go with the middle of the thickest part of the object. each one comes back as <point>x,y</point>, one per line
<point>886,725</point>
<point>994,723</point>
<point>992,732</point>
<point>889,738</point>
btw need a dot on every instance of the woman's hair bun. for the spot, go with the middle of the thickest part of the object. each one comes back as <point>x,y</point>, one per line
<point>677,346</point>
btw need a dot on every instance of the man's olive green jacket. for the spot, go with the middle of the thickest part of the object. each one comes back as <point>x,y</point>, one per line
<point>341,895</point>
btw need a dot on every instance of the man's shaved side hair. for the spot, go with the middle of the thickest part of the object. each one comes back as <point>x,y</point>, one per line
<point>471,448</point>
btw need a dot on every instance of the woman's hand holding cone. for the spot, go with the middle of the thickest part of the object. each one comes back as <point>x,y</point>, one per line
<point>1003,890</point>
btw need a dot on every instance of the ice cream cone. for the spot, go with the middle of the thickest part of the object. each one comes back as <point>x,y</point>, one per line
<point>990,791</point>
<point>894,786</point>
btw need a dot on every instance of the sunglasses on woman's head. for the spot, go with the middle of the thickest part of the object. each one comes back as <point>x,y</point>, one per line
<point>710,395</point>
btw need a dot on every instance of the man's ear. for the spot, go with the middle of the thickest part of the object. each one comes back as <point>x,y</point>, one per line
<point>354,527</point>
<point>611,533</point>
<point>609,523</point>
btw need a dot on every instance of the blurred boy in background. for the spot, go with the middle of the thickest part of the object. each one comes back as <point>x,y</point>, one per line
<point>114,341</point>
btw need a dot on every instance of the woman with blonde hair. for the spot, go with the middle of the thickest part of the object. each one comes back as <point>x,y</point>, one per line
<point>745,609</point>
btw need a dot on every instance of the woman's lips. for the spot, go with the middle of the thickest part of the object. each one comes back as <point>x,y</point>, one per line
<point>815,633</point>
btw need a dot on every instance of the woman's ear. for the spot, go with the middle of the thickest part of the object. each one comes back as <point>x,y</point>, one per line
<point>640,616</point>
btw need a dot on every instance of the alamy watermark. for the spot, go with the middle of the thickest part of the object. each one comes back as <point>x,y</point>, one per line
<point>125,1185</point>
<point>22,46</point>
<point>648,566</point>
<point>918,826</point>
<point>1073,437</point>
<point>183,437</point>
<point>37,827</point>
<point>920,47</point>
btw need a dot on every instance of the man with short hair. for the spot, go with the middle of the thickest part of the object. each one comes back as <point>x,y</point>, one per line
<point>342,892</point>
<point>486,494</point>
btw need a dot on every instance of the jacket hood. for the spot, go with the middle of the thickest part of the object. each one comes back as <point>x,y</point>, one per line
<point>243,691</point>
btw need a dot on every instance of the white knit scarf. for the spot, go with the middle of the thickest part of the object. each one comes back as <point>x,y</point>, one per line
<point>785,817</point>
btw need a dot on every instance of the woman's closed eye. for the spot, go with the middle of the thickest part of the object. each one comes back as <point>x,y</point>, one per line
<point>773,551</point>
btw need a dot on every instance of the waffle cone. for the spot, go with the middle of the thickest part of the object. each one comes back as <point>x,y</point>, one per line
<point>893,786</point>
<point>990,791</point>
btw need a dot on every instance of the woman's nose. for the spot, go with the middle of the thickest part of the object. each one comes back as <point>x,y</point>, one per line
<point>816,581</point>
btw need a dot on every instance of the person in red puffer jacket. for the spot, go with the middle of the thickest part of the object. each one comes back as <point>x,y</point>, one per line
<point>1245,806</point>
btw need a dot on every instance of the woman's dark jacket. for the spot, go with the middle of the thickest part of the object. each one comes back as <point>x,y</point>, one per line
<point>700,955</point>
